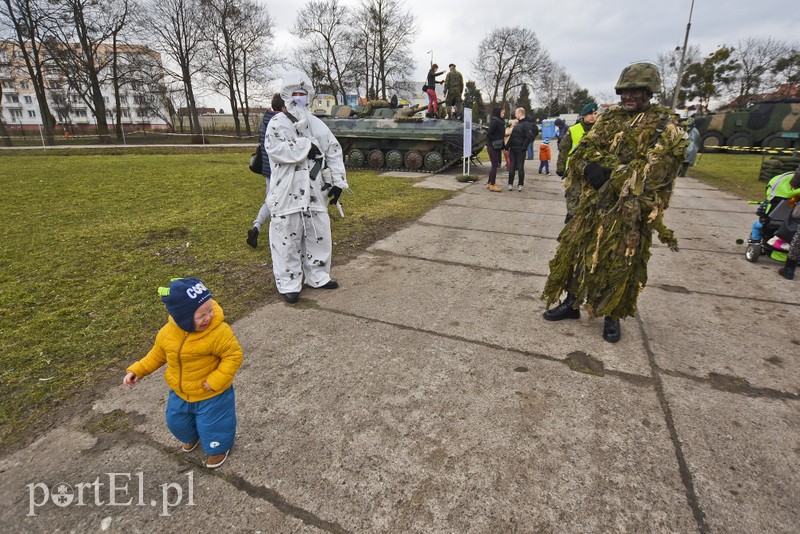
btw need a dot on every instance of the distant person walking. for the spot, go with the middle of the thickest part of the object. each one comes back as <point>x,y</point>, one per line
<point>544,156</point>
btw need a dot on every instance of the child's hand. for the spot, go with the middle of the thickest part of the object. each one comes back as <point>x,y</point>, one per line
<point>206,386</point>
<point>130,379</point>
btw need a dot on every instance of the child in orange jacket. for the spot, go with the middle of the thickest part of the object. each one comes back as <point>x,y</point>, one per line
<point>544,156</point>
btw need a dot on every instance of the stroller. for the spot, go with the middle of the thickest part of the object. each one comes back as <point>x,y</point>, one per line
<point>776,220</point>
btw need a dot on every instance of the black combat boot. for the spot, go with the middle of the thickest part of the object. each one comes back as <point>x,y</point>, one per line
<point>564,310</point>
<point>611,330</point>
<point>787,271</point>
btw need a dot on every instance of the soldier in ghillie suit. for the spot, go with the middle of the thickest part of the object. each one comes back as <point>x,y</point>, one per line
<point>627,166</point>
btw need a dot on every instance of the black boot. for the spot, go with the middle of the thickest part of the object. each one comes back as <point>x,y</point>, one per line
<point>611,330</point>
<point>787,271</point>
<point>564,310</point>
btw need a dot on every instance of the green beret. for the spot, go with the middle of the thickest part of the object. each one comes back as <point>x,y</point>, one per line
<point>588,108</point>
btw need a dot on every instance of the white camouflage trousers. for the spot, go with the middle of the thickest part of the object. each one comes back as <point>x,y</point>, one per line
<point>301,247</point>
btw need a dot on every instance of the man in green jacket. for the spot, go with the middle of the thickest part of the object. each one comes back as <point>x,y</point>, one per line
<point>453,88</point>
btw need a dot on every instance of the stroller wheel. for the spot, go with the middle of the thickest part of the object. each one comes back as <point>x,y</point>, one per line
<point>753,252</point>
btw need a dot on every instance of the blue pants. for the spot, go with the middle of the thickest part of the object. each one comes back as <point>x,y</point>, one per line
<point>530,151</point>
<point>212,420</point>
<point>544,164</point>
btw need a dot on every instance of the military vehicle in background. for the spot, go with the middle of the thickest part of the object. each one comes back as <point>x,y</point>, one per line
<point>379,137</point>
<point>767,124</point>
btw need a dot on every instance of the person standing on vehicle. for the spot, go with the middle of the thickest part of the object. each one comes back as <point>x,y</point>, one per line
<point>567,146</point>
<point>433,100</point>
<point>453,89</point>
<point>625,168</point>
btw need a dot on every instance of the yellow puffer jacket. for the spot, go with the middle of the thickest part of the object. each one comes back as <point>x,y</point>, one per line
<point>212,355</point>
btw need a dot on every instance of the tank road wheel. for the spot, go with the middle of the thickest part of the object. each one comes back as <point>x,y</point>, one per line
<point>394,159</point>
<point>740,139</point>
<point>711,141</point>
<point>775,141</point>
<point>356,158</point>
<point>413,160</point>
<point>375,159</point>
<point>433,161</point>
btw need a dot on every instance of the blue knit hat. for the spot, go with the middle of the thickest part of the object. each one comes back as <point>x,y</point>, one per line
<point>588,108</point>
<point>182,298</point>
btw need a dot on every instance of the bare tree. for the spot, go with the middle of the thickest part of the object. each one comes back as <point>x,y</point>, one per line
<point>383,38</point>
<point>757,57</point>
<point>668,65</point>
<point>27,17</point>
<point>174,27</point>
<point>507,58</point>
<point>327,54</point>
<point>555,89</point>
<point>238,29</point>
<point>787,69</point>
<point>255,57</point>
<point>78,44</point>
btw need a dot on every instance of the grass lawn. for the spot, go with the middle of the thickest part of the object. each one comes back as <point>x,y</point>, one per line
<point>87,240</point>
<point>737,173</point>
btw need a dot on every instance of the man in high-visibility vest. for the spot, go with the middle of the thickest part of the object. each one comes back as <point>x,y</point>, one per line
<point>568,145</point>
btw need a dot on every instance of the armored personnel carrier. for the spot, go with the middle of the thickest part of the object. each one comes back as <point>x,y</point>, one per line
<point>773,124</point>
<point>397,139</point>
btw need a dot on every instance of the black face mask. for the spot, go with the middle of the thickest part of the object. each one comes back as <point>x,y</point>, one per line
<point>634,99</point>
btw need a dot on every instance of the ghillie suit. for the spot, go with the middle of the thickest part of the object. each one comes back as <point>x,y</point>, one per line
<point>603,251</point>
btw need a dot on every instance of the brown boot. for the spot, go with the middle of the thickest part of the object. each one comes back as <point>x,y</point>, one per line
<point>215,460</point>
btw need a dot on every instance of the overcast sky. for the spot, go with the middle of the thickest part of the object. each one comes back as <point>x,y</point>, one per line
<point>591,39</point>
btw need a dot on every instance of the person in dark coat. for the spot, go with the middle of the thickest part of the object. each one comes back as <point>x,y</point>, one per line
<point>521,136</point>
<point>494,146</point>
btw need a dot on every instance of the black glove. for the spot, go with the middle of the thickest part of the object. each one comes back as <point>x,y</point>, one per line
<point>596,175</point>
<point>334,194</point>
<point>313,152</point>
<point>560,174</point>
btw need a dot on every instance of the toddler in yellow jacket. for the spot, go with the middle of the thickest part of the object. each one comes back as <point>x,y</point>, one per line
<point>202,356</point>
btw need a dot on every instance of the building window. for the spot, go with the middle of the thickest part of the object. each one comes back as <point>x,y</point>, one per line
<point>28,100</point>
<point>79,113</point>
<point>15,113</point>
<point>31,114</point>
<point>13,99</point>
<point>23,85</point>
<point>126,114</point>
<point>105,99</point>
<point>7,84</point>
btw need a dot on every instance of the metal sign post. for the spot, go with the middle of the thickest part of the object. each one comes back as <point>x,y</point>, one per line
<point>467,140</point>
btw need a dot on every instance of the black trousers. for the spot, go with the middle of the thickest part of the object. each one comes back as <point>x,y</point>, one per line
<point>517,165</point>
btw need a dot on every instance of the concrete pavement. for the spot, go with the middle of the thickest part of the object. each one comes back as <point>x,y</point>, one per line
<point>427,394</point>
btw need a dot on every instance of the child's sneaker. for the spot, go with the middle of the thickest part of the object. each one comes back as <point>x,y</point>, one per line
<point>215,460</point>
<point>189,447</point>
<point>519,189</point>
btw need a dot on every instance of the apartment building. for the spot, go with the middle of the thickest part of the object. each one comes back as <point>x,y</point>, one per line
<point>140,102</point>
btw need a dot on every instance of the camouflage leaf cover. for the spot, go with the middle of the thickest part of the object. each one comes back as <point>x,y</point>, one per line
<point>603,251</point>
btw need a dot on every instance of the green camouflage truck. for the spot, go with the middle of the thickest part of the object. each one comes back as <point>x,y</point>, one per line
<point>768,124</point>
